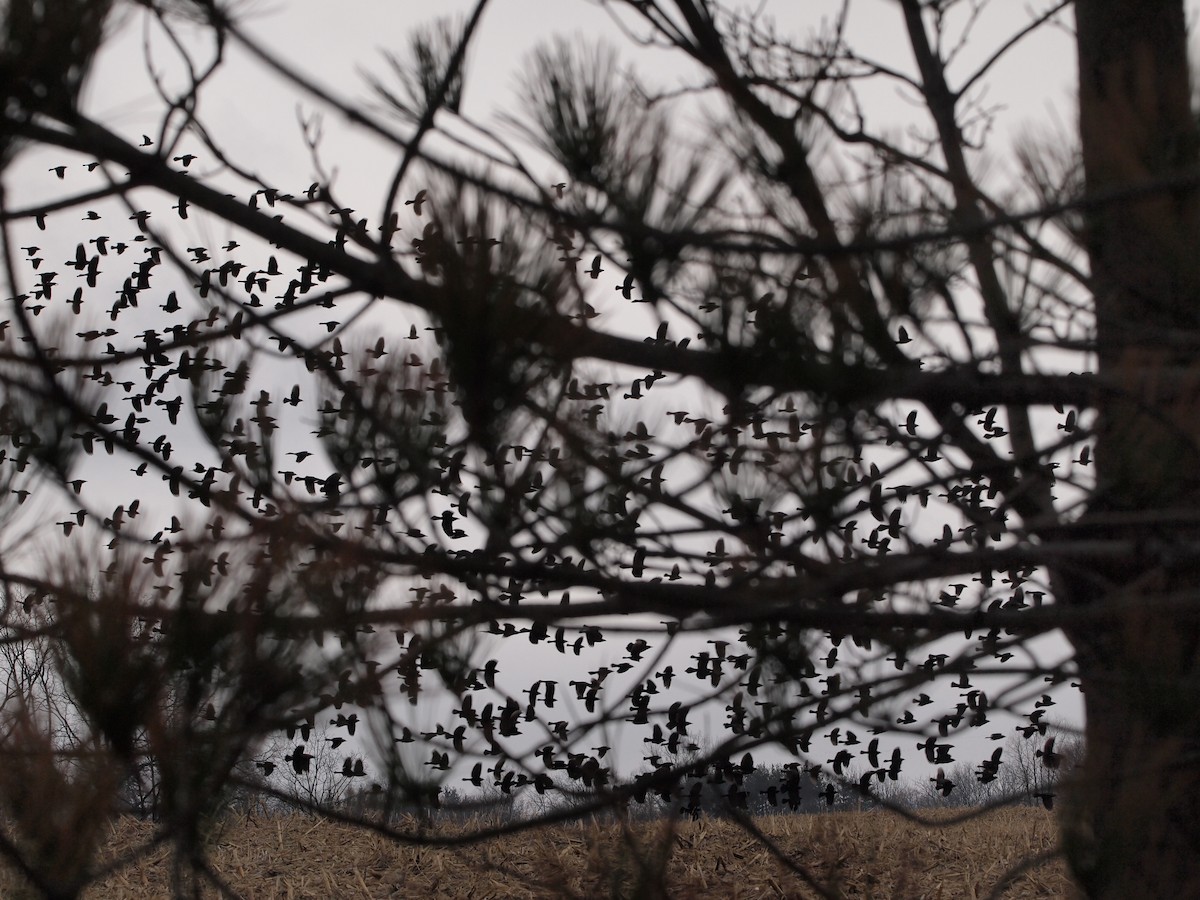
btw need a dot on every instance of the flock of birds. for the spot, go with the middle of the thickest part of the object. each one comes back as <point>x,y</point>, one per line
<point>769,688</point>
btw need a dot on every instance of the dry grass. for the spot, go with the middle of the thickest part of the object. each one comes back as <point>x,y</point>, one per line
<point>856,854</point>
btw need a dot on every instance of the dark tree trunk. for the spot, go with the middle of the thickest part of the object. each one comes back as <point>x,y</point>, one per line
<point>1133,819</point>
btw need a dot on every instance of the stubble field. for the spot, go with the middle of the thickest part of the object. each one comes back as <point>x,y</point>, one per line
<point>869,854</point>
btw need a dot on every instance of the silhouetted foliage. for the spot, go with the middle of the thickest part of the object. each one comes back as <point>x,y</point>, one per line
<point>597,432</point>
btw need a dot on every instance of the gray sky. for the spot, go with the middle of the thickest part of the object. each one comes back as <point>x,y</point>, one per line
<point>254,116</point>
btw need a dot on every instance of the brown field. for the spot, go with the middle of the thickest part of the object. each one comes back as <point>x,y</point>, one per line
<point>870,854</point>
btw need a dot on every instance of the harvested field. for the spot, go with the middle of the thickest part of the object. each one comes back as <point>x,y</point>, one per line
<point>868,854</point>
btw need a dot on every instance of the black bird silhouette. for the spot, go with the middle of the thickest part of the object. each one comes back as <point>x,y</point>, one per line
<point>1050,759</point>
<point>418,201</point>
<point>942,784</point>
<point>300,760</point>
<point>594,270</point>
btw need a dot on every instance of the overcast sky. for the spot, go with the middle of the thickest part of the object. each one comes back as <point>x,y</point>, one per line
<point>254,116</point>
<point>336,43</point>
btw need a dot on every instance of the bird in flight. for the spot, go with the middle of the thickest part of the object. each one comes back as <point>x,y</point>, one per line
<point>418,201</point>
<point>594,271</point>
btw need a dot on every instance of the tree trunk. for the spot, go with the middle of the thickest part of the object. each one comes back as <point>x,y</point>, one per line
<point>1132,824</point>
